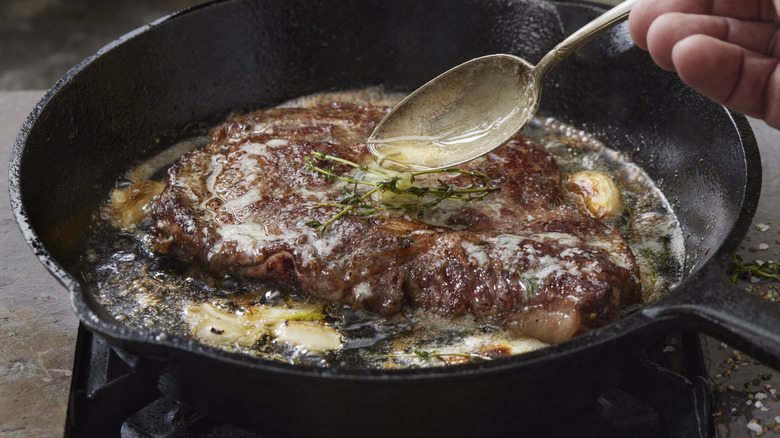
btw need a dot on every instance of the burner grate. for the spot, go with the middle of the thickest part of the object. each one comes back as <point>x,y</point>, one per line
<point>663,396</point>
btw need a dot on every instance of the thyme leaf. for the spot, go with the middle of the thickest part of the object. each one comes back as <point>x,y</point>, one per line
<point>424,355</point>
<point>354,202</point>
<point>531,283</point>
<point>653,279</point>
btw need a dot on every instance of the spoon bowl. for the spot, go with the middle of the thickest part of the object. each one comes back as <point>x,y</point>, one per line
<point>473,108</point>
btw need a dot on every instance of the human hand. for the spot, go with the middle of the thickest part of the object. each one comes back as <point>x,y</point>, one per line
<point>726,49</point>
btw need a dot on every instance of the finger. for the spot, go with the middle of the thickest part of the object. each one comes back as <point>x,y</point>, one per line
<point>742,80</point>
<point>645,12</point>
<point>670,28</point>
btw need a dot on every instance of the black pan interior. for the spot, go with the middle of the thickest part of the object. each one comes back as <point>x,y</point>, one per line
<point>176,76</point>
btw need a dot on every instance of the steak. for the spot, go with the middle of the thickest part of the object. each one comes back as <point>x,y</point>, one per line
<point>520,256</point>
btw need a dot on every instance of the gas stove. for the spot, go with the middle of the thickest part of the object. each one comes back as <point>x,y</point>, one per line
<point>664,396</point>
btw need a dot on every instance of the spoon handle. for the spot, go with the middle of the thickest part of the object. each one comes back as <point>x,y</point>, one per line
<point>583,36</point>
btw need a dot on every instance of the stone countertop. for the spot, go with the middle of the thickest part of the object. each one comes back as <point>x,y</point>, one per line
<point>744,390</point>
<point>38,326</point>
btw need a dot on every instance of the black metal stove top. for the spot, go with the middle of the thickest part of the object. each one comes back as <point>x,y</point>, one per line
<point>115,395</point>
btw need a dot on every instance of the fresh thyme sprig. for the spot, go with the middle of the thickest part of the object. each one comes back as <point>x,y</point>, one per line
<point>427,355</point>
<point>356,203</point>
<point>770,269</point>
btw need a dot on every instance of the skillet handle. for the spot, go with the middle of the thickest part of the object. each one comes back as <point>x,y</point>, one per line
<point>716,307</point>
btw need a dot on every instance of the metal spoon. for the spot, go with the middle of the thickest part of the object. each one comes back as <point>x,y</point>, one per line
<point>473,108</point>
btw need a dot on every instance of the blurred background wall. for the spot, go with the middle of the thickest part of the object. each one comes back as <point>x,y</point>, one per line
<point>41,39</point>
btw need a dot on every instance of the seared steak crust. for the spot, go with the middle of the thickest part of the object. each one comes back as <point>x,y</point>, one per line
<point>520,256</point>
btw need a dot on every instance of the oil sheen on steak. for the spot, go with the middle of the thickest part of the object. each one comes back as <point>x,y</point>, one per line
<point>520,257</point>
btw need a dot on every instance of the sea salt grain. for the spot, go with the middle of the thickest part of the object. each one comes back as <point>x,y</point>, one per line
<point>755,427</point>
<point>762,227</point>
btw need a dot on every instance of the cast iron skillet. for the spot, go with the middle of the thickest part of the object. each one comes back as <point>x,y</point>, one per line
<point>138,94</point>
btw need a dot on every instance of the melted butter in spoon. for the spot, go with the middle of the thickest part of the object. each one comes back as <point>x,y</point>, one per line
<point>444,123</point>
<point>424,152</point>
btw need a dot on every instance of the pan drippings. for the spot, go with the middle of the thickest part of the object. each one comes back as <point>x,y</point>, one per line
<point>157,293</point>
